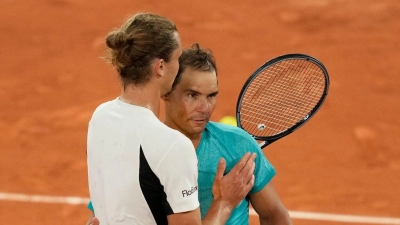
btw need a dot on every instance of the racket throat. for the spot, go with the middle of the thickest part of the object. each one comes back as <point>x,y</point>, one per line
<point>263,144</point>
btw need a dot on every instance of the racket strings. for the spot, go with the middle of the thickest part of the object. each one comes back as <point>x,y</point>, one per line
<point>281,96</point>
<point>279,91</point>
<point>278,123</point>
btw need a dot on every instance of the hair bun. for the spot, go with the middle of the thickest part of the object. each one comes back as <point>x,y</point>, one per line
<point>116,39</point>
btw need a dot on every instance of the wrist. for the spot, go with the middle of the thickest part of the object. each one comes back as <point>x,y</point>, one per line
<point>219,212</point>
<point>224,206</point>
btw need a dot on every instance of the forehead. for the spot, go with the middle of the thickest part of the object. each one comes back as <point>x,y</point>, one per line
<point>198,80</point>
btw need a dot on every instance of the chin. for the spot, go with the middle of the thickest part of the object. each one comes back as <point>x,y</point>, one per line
<point>199,128</point>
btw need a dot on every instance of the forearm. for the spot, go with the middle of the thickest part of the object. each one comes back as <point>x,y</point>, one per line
<point>281,218</point>
<point>218,213</point>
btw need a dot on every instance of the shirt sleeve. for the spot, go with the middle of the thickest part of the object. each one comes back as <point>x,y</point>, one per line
<point>90,206</point>
<point>264,171</point>
<point>178,174</point>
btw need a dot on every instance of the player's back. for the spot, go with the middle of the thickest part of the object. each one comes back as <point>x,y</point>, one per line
<point>128,151</point>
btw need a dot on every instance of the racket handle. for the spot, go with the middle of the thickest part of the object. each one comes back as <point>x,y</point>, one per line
<point>263,144</point>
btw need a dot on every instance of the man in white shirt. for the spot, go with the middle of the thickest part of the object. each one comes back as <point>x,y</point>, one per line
<point>141,171</point>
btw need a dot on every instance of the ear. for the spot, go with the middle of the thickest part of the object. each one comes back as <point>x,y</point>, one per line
<point>159,67</point>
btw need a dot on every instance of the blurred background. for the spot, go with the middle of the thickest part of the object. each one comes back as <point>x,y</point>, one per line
<point>344,161</point>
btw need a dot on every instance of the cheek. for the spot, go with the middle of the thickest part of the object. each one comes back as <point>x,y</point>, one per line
<point>212,104</point>
<point>187,107</point>
<point>172,70</point>
<point>176,68</point>
<point>179,107</point>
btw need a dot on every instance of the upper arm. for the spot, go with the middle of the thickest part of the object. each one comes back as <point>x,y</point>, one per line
<point>264,171</point>
<point>268,205</point>
<point>178,175</point>
<point>185,218</point>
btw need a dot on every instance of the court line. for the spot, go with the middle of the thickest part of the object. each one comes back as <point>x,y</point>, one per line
<point>70,200</point>
<point>74,200</point>
<point>340,218</point>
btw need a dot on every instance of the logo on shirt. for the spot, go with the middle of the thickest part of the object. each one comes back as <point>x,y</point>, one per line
<point>186,193</point>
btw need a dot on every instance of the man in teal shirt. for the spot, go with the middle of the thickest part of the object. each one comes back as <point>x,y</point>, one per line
<point>228,142</point>
<point>188,108</point>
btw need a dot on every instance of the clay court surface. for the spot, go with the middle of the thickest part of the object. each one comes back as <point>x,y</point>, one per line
<point>345,161</point>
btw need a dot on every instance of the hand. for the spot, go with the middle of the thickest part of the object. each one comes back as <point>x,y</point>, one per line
<point>233,187</point>
<point>95,221</point>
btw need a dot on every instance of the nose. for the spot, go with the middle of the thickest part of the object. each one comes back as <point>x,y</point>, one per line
<point>203,105</point>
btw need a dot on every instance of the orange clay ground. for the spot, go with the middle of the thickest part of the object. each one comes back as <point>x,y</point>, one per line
<point>346,160</point>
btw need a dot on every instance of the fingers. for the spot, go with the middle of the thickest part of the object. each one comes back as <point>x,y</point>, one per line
<point>248,178</point>
<point>249,166</point>
<point>95,221</point>
<point>248,174</point>
<point>241,164</point>
<point>250,184</point>
<point>244,171</point>
<point>220,170</point>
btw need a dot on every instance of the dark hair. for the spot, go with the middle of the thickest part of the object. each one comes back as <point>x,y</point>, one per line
<point>196,58</point>
<point>141,39</point>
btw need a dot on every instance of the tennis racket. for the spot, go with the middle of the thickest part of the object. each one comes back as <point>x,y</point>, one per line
<point>281,96</point>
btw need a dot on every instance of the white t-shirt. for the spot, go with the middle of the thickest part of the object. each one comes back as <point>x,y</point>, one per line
<point>139,169</point>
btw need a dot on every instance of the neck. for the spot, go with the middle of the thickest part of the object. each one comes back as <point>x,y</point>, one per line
<point>143,96</point>
<point>194,137</point>
<point>196,142</point>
